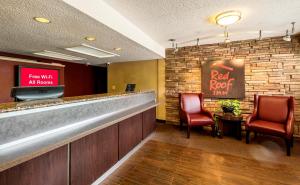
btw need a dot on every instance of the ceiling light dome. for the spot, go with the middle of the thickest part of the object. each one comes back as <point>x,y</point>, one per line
<point>90,38</point>
<point>42,20</point>
<point>227,18</point>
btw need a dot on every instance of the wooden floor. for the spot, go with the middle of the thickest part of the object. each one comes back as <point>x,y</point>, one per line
<point>170,158</point>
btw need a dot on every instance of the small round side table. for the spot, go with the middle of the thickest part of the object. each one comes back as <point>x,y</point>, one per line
<point>233,120</point>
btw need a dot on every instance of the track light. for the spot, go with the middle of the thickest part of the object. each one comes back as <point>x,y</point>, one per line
<point>174,45</point>
<point>227,40</point>
<point>260,35</point>
<point>173,42</point>
<point>287,37</point>
<point>226,35</point>
<point>293,27</point>
<point>176,49</point>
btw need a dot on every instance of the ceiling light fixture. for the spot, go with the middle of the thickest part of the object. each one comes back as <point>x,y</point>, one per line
<point>173,42</point>
<point>227,40</point>
<point>176,47</point>
<point>42,20</point>
<point>287,37</point>
<point>117,49</point>
<point>228,18</point>
<point>56,55</point>
<point>92,51</point>
<point>90,38</point>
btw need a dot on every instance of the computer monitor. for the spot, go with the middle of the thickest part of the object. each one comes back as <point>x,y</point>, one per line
<point>130,88</point>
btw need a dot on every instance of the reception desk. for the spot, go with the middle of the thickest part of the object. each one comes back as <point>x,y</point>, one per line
<point>71,140</point>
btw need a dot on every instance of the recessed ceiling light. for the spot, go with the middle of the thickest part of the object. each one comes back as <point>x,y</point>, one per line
<point>227,18</point>
<point>42,20</point>
<point>92,51</point>
<point>90,38</point>
<point>53,54</point>
<point>117,49</point>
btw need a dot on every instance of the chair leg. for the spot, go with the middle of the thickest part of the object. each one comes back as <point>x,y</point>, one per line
<point>188,131</point>
<point>288,146</point>
<point>247,137</point>
<point>180,124</point>
<point>213,130</point>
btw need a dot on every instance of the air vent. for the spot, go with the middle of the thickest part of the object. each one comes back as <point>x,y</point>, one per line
<point>92,51</point>
<point>56,55</point>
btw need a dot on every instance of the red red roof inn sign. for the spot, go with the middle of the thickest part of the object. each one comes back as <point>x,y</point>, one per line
<point>223,78</point>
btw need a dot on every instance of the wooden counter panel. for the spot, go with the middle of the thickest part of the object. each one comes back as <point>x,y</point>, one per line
<point>130,134</point>
<point>93,155</point>
<point>149,122</point>
<point>48,169</point>
<point>89,157</point>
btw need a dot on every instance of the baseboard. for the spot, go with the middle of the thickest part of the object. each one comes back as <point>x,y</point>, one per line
<point>160,121</point>
<point>120,162</point>
<point>172,123</point>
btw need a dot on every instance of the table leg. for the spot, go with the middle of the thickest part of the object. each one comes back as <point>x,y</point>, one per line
<point>220,129</point>
<point>239,130</point>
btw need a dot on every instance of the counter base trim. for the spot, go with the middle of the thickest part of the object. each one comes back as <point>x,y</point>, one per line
<point>120,162</point>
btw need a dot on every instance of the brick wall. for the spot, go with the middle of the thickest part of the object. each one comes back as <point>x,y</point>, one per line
<point>272,67</point>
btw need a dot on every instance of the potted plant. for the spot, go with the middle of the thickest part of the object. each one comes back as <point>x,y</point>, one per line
<point>230,106</point>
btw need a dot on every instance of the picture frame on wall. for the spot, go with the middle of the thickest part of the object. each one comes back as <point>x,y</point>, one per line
<point>223,78</point>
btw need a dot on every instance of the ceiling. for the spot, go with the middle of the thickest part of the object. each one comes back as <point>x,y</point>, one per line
<point>141,27</point>
<point>20,34</point>
<point>186,20</point>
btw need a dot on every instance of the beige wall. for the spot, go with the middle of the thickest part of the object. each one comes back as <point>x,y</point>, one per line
<point>161,95</point>
<point>147,75</point>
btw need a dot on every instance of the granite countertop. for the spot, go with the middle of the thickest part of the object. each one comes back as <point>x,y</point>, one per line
<point>30,129</point>
<point>17,106</point>
<point>23,152</point>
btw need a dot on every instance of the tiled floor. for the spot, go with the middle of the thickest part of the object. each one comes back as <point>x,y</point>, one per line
<point>170,158</point>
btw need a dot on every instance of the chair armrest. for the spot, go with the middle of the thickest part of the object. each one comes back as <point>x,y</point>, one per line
<point>253,116</point>
<point>250,118</point>
<point>290,121</point>
<point>206,112</point>
<point>290,125</point>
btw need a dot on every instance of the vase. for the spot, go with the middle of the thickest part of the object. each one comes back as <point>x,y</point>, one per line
<point>227,109</point>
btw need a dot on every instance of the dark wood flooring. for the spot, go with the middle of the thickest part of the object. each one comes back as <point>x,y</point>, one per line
<point>169,158</point>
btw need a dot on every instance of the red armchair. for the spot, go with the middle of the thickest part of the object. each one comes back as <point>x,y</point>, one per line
<point>273,115</point>
<point>193,113</point>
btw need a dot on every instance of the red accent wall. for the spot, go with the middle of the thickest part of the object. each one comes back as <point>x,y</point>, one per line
<point>79,79</point>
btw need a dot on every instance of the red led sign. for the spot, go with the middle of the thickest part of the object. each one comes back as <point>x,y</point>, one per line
<point>29,77</point>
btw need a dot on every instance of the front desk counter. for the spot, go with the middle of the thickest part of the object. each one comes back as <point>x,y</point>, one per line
<point>72,140</point>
